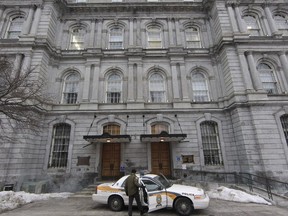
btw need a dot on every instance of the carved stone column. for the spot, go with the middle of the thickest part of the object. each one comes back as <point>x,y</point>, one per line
<point>178,34</point>
<point>36,21</point>
<point>131,31</point>
<point>86,85</point>
<point>232,18</point>
<point>175,84</point>
<point>95,85</point>
<point>254,73</point>
<point>245,71</point>
<point>26,65</point>
<point>170,32</point>
<point>270,19</point>
<point>284,63</point>
<point>28,22</point>
<point>130,82</point>
<point>140,82</point>
<point>17,64</point>
<point>99,33</point>
<point>240,21</point>
<point>184,81</point>
<point>92,33</point>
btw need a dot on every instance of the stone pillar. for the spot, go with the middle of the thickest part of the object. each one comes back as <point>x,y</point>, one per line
<point>86,84</point>
<point>36,20</point>
<point>60,34</point>
<point>28,22</point>
<point>170,31</point>
<point>138,32</point>
<point>284,63</point>
<point>241,25</point>
<point>99,33</point>
<point>178,34</point>
<point>254,73</point>
<point>232,18</point>
<point>95,82</point>
<point>175,85</point>
<point>92,34</point>
<point>131,31</point>
<point>130,83</point>
<point>245,72</point>
<point>270,19</point>
<point>140,82</point>
<point>2,8</point>
<point>184,83</point>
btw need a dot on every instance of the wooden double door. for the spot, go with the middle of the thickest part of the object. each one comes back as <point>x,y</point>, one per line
<point>160,156</point>
<point>111,153</point>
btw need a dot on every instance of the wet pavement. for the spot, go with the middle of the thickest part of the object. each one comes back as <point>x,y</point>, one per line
<point>86,207</point>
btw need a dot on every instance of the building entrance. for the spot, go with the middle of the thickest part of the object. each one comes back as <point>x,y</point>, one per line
<point>111,160</point>
<point>160,156</point>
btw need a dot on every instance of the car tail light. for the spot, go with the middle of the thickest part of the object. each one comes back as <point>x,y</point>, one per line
<point>199,196</point>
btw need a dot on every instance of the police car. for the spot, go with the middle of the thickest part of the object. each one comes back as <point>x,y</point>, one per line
<point>157,193</point>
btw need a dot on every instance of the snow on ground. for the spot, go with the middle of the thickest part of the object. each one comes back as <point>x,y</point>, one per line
<point>10,199</point>
<point>229,194</point>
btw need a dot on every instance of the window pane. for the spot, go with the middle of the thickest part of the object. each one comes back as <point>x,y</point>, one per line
<point>15,27</point>
<point>200,87</point>
<point>158,128</point>
<point>60,146</point>
<point>192,38</point>
<point>284,122</point>
<point>154,37</point>
<point>157,88</point>
<point>116,38</point>
<point>114,88</point>
<point>267,78</point>
<point>112,129</point>
<point>77,38</point>
<point>281,23</point>
<point>210,142</point>
<point>252,25</point>
<point>71,88</point>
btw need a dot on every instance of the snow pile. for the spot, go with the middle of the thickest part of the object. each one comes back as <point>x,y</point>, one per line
<point>225,193</point>
<point>10,199</point>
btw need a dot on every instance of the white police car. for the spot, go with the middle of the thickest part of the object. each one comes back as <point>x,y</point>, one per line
<point>158,193</point>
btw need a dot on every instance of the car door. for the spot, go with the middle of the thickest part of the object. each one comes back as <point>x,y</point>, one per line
<point>156,194</point>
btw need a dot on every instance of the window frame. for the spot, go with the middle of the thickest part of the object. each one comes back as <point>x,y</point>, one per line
<point>117,41</point>
<point>158,93</point>
<point>71,99</point>
<point>205,80</point>
<point>10,23</point>
<point>73,35</point>
<point>67,138</point>
<point>152,29</point>
<point>251,30</point>
<point>210,157</point>
<point>110,97</point>
<point>285,18</point>
<point>187,40</point>
<point>273,77</point>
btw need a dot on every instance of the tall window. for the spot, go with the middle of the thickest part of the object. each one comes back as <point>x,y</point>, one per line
<point>211,143</point>
<point>60,146</point>
<point>200,87</point>
<point>158,128</point>
<point>77,38</point>
<point>157,88</point>
<point>154,37</point>
<point>267,78</point>
<point>71,89</point>
<point>281,22</point>
<point>112,129</point>
<point>14,27</point>
<point>192,37</point>
<point>284,123</point>
<point>114,88</point>
<point>252,24</point>
<point>116,38</point>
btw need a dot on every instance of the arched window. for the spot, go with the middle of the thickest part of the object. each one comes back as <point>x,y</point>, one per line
<point>116,38</point>
<point>71,88</point>
<point>77,38</point>
<point>281,22</point>
<point>111,129</point>
<point>14,27</point>
<point>60,145</point>
<point>157,88</point>
<point>114,88</point>
<point>200,87</point>
<point>267,78</point>
<point>284,123</point>
<point>253,26</point>
<point>192,37</point>
<point>211,143</point>
<point>154,37</point>
<point>158,128</point>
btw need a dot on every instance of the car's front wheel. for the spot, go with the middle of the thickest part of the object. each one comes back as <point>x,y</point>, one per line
<point>183,206</point>
<point>115,203</point>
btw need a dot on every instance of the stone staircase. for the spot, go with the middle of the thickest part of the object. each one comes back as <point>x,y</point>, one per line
<point>85,192</point>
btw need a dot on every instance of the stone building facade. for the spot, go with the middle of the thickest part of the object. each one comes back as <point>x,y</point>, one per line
<point>157,85</point>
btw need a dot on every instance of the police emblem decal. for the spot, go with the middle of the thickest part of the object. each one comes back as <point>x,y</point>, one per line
<point>158,200</point>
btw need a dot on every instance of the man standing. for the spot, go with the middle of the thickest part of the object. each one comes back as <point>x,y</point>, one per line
<point>132,190</point>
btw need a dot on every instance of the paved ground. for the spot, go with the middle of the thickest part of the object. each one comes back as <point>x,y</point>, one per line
<point>86,207</point>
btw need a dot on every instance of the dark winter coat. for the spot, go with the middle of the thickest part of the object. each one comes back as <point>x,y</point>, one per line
<point>132,185</point>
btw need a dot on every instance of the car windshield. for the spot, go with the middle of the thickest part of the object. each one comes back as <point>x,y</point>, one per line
<point>163,181</point>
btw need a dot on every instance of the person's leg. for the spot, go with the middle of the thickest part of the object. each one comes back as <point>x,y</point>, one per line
<point>140,207</point>
<point>131,198</point>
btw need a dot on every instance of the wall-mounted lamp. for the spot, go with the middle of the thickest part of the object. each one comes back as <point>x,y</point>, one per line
<point>108,140</point>
<point>162,139</point>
